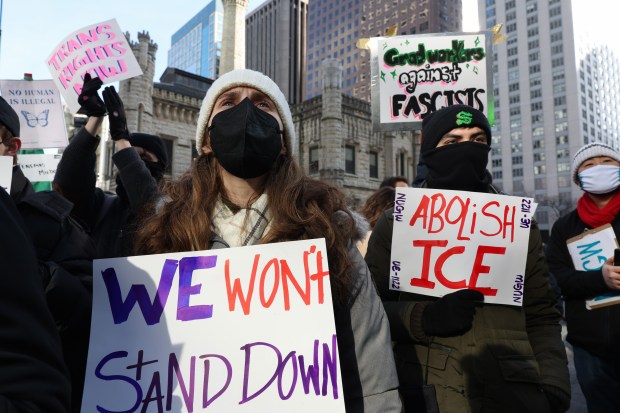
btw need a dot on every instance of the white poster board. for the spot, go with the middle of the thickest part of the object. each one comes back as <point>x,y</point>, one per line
<point>39,107</point>
<point>589,251</point>
<point>6,172</point>
<point>39,167</point>
<point>247,329</point>
<point>414,75</point>
<point>445,241</point>
<point>100,49</point>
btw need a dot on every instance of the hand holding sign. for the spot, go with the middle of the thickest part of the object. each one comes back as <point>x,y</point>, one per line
<point>451,315</point>
<point>89,100</point>
<point>116,114</point>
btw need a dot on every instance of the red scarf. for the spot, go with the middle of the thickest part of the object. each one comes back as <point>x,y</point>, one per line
<point>592,215</point>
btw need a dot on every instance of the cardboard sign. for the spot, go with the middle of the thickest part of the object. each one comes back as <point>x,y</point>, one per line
<point>100,49</point>
<point>414,75</point>
<point>39,167</point>
<point>39,107</point>
<point>589,251</point>
<point>6,172</point>
<point>247,329</point>
<point>445,241</point>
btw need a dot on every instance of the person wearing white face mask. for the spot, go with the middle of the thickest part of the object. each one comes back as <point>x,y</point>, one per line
<point>594,334</point>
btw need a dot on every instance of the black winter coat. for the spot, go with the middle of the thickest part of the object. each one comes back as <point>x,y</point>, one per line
<point>598,330</point>
<point>33,377</point>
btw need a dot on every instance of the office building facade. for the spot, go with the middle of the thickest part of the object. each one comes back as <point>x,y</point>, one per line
<point>195,47</point>
<point>335,27</point>
<point>276,44</point>
<point>549,101</point>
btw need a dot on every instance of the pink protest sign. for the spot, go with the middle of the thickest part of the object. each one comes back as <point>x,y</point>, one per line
<point>247,329</point>
<point>414,75</point>
<point>445,241</point>
<point>100,49</point>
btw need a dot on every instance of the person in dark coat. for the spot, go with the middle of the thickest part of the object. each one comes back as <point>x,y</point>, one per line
<point>594,334</point>
<point>64,251</point>
<point>10,144</point>
<point>33,377</point>
<point>478,357</point>
<point>141,160</point>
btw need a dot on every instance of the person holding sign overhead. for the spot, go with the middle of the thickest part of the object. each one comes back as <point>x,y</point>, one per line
<point>456,353</point>
<point>10,145</point>
<point>141,160</point>
<point>246,188</point>
<point>588,275</point>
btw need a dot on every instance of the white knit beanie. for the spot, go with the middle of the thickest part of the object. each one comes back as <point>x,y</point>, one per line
<point>590,151</point>
<point>253,79</point>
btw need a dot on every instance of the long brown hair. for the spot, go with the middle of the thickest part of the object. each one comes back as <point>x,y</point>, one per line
<point>302,208</point>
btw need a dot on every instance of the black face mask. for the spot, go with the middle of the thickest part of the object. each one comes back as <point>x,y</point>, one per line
<point>459,166</point>
<point>245,140</point>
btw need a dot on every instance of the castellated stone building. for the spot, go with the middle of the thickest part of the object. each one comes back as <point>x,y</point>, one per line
<point>335,138</point>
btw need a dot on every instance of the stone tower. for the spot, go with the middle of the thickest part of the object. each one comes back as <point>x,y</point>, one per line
<point>233,38</point>
<point>332,144</point>
<point>137,92</point>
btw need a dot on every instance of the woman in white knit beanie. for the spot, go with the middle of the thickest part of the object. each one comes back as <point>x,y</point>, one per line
<point>246,188</point>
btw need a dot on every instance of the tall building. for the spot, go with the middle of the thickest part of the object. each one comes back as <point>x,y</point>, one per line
<point>276,44</point>
<point>549,101</point>
<point>408,17</point>
<point>334,28</point>
<point>195,47</point>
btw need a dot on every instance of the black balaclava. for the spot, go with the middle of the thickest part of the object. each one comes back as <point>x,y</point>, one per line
<point>460,166</point>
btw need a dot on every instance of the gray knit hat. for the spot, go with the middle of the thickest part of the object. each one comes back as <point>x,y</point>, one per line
<point>253,79</point>
<point>590,151</point>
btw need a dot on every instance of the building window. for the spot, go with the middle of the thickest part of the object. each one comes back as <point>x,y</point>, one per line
<point>313,160</point>
<point>373,162</point>
<point>349,159</point>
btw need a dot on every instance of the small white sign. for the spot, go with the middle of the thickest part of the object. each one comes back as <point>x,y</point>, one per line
<point>39,167</point>
<point>247,329</point>
<point>445,241</point>
<point>39,108</point>
<point>100,49</point>
<point>6,172</point>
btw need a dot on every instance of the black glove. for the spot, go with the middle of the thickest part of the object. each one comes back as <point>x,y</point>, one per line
<point>89,100</point>
<point>451,315</point>
<point>559,401</point>
<point>116,114</point>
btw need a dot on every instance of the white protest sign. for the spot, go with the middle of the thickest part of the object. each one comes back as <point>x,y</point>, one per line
<point>445,241</point>
<point>6,172</point>
<point>247,329</point>
<point>39,107</point>
<point>589,251</point>
<point>414,75</point>
<point>39,167</point>
<point>100,49</point>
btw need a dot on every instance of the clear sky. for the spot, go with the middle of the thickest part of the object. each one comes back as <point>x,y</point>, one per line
<point>31,29</point>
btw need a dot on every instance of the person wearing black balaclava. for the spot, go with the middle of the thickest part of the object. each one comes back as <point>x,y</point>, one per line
<point>140,158</point>
<point>455,353</point>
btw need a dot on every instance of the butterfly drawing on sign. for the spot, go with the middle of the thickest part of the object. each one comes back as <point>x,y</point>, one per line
<point>34,120</point>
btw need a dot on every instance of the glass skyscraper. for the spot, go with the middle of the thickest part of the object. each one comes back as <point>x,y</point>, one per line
<point>195,47</point>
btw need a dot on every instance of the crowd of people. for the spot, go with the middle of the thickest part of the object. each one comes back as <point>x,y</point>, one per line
<point>398,351</point>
